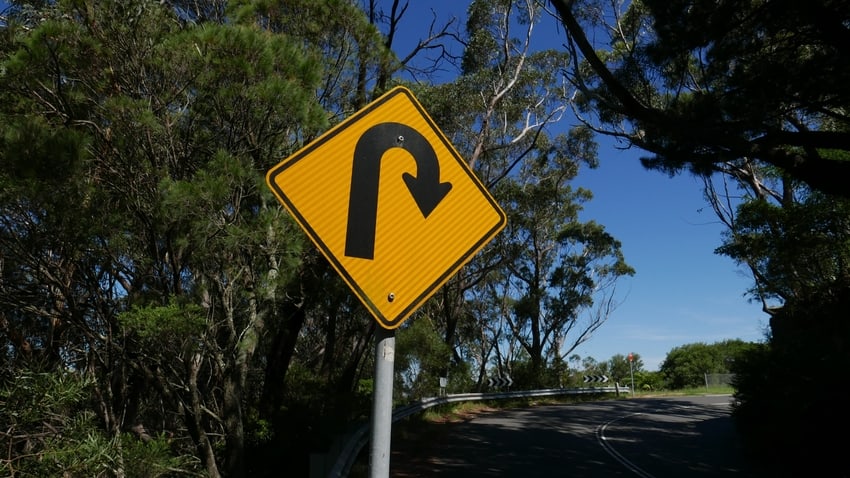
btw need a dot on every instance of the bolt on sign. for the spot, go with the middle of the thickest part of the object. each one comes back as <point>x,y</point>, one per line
<point>390,203</point>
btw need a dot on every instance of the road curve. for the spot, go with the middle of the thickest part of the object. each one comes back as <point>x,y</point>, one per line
<point>644,437</point>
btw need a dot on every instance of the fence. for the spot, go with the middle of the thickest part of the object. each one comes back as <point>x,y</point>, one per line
<point>718,380</point>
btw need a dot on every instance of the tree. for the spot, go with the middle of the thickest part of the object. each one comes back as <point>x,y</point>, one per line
<point>691,84</point>
<point>622,369</point>
<point>555,267</point>
<point>505,137</point>
<point>800,257</point>
<point>750,96</point>
<point>421,353</point>
<point>794,248</point>
<point>591,366</point>
<point>165,131</point>
<point>686,366</point>
<point>494,133</point>
<point>695,85</point>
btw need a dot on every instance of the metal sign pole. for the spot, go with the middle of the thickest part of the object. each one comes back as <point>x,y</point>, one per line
<point>382,403</point>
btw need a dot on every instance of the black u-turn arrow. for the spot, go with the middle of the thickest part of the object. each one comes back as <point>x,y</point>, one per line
<point>425,187</point>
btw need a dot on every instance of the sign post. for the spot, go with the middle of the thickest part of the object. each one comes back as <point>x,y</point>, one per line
<point>631,371</point>
<point>382,194</point>
<point>382,403</point>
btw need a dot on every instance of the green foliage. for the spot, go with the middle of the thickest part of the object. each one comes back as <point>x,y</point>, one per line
<point>482,48</point>
<point>695,83</point>
<point>621,369</point>
<point>421,357</point>
<point>33,153</point>
<point>154,458</point>
<point>31,396</point>
<point>795,248</point>
<point>529,376</point>
<point>52,430</point>
<point>158,325</point>
<point>81,450</point>
<point>314,413</point>
<point>686,366</point>
<point>260,431</point>
<point>133,146</point>
<point>365,387</point>
<point>647,381</point>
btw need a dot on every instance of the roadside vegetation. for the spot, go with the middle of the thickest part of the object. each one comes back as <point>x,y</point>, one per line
<point>161,314</point>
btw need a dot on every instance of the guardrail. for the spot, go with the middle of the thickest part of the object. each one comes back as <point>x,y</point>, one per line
<point>355,441</point>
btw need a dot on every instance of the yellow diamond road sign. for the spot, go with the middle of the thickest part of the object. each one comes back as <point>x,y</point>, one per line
<point>390,203</point>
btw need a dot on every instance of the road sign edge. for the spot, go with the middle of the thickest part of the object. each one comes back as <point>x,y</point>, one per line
<point>456,265</point>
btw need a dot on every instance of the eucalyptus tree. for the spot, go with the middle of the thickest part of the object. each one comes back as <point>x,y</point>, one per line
<point>500,112</point>
<point>493,112</point>
<point>560,274</point>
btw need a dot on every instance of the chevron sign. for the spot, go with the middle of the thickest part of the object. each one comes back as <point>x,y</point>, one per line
<point>595,378</point>
<point>500,381</point>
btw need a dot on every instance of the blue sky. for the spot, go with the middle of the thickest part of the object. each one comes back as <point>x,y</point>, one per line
<point>682,292</point>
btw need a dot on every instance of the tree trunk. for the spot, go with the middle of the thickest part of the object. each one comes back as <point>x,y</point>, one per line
<point>194,422</point>
<point>233,425</point>
<point>283,348</point>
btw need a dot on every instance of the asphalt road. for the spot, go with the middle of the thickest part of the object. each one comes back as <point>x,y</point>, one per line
<point>647,438</point>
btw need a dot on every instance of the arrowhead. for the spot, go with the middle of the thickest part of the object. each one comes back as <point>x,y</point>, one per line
<point>426,193</point>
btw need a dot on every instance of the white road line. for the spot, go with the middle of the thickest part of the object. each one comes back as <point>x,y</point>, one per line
<point>603,441</point>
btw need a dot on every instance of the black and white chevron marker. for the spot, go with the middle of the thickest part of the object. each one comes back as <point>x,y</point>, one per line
<point>500,381</point>
<point>595,378</point>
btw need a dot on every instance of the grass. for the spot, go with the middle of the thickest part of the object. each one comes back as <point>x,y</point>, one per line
<point>713,390</point>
